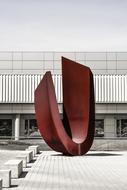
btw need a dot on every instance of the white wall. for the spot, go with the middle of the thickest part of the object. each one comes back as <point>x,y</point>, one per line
<point>40,62</point>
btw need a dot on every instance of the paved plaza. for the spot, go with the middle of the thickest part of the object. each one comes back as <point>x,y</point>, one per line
<point>95,171</point>
<point>98,170</point>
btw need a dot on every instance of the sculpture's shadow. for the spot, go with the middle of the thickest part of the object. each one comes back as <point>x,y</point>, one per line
<point>103,154</point>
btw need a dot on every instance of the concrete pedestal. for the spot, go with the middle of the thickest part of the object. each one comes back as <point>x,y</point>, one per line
<point>6,177</point>
<point>23,158</point>
<point>16,167</point>
<point>0,184</point>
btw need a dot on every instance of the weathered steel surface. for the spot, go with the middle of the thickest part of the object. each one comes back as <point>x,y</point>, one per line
<point>74,135</point>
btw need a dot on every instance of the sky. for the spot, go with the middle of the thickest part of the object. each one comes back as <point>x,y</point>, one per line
<point>63,25</point>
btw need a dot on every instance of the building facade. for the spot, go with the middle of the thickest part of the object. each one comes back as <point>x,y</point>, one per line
<point>21,72</point>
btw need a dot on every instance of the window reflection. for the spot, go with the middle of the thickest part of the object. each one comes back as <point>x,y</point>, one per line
<point>31,128</point>
<point>122,128</point>
<point>99,128</point>
<point>5,127</point>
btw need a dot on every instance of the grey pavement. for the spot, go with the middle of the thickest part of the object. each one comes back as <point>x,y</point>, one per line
<point>6,155</point>
<point>97,170</point>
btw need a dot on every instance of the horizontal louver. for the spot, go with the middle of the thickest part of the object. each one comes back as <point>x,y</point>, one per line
<point>20,88</point>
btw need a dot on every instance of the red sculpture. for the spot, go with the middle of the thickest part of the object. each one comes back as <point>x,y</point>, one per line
<point>75,133</point>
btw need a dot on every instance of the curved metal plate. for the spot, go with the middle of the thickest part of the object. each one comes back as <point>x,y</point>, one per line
<point>75,134</point>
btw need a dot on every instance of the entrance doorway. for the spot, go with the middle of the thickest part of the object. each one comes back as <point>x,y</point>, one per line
<point>31,129</point>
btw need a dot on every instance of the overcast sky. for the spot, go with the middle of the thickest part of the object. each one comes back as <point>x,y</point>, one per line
<point>63,25</point>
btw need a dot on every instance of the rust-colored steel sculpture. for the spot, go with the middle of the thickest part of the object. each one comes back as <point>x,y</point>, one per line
<point>75,133</point>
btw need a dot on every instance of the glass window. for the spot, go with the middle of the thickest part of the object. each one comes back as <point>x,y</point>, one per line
<point>122,128</point>
<point>31,128</point>
<point>5,127</point>
<point>99,128</point>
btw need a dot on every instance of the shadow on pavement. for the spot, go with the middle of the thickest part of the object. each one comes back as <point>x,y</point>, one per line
<point>13,186</point>
<point>90,154</point>
<point>23,174</point>
<point>103,154</point>
<point>32,161</point>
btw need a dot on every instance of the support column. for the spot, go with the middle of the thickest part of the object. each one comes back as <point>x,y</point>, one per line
<point>22,127</point>
<point>110,126</point>
<point>17,127</point>
<point>13,127</point>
